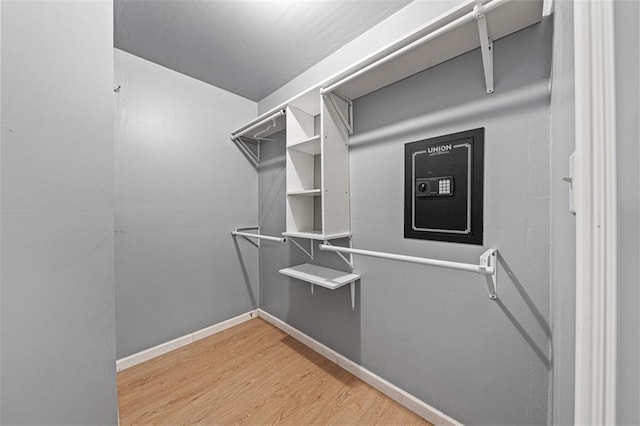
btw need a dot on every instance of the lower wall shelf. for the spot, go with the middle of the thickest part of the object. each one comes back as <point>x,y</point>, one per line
<point>318,275</point>
<point>316,234</point>
<point>324,277</point>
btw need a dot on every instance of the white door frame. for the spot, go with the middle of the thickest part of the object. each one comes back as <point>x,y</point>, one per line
<point>595,187</point>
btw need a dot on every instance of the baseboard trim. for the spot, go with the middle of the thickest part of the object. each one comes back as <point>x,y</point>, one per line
<point>402,397</point>
<point>147,354</point>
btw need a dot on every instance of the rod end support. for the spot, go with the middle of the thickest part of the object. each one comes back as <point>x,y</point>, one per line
<point>489,260</point>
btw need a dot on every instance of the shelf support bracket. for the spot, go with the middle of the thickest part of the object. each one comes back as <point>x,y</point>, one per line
<point>247,228</point>
<point>349,261</point>
<point>489,261</point>
<point>254,157</point>
<point>347,121</point>
<point>353,295</point>
<point>486,46</point>
<point>308,253</point>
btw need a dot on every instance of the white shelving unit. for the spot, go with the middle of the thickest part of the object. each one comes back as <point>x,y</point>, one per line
<point>318,122</point>
<point>317,162</point>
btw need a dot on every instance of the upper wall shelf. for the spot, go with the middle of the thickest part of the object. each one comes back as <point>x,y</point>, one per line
<point>449,35</point>
<point>464,28</point>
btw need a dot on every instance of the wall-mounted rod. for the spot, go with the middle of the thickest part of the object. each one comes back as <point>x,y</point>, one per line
<point>254,125</point>
<point>464,19</point>
<point>479,269</point>
<point>258,236</point>
<point>486,267</point>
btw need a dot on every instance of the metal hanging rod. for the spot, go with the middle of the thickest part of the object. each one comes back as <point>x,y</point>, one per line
<point>487,265</point>
<point>244,131</point>
<point>258,236</point>
<point>476,14</point>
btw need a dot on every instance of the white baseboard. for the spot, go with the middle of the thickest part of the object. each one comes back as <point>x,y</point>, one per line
<point>392,391</point>
<point>163,348</point>
<point>402,397</point>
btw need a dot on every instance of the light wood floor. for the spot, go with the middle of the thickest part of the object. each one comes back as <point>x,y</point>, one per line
<point>253,374</point>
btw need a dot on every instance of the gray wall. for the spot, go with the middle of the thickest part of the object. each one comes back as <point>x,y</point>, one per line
<point>57,303</point>
<point>181,187</point>
<point>434,332</point>
<point>562,231</point>
<point>627,42</point>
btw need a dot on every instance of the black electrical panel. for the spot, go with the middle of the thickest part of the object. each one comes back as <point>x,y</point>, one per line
<point>444,188</point>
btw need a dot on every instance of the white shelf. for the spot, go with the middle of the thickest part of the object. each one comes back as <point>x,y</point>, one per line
<point>306,193</point>
<point>501,21</point>
<point>504,20</point>
<point>318,275</point>
<point>308,146</point>
<point>316,235</point>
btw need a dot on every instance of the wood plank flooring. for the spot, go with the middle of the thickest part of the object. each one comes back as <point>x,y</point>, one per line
<point>251,374</point>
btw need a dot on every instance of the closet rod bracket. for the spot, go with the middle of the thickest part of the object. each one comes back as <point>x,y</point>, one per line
<point>486,46</point>
<point>489,261</point>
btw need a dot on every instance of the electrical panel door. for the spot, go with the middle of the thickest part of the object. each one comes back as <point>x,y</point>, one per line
<point>444,188</point>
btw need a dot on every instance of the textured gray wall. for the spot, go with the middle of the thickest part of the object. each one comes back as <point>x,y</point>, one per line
<point>181,187</point>
<point>627,41</point>
<point>57,303</point>
<point>563,236</point>
<point>434,332</point>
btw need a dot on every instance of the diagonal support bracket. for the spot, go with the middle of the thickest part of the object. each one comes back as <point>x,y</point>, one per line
<point>308,253</point>
<point>349,261</point>
<point>489,261</point>
<point>346,120</point>
<point>251,241</point>
<point>254,157</point>
<point>486,46</point>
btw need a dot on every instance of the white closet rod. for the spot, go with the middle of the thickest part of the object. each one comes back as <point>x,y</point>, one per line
<point>469,267</point>
<point>375,62</point>
<point>487,265</point>
<point>258,236</point>
<point>253,126</point>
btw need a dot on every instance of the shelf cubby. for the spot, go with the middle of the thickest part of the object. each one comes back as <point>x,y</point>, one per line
<point>317,169</point>
<point>309,146</point>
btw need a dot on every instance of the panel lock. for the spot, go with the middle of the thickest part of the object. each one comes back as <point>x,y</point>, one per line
<point>434,187</point>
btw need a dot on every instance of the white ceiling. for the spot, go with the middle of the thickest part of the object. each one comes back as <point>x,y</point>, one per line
<point>248,47</point>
